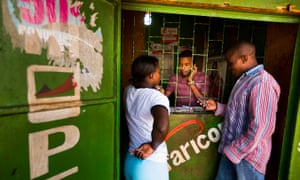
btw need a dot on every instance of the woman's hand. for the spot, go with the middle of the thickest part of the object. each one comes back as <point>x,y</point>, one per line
<point>144,151</point>
<point>160,89</point>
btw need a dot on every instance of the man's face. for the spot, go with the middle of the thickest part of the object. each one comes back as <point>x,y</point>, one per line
<point>235,64</point>
<point>186,66</point>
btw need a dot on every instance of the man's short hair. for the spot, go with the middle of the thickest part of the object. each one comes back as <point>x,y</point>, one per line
<point>185,53</point>
<point>242,48</point>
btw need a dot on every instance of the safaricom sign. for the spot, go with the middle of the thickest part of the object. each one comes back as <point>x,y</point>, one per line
<point>182,154</point>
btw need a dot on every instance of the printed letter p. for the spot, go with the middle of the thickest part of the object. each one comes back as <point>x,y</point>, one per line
<point>38,147</point>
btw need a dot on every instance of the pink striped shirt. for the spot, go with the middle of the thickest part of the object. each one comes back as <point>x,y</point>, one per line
<point>249,118</point>
<point>183,93</point>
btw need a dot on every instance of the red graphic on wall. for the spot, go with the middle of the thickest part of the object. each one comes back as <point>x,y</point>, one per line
<point>66,86</point>
<point>169,35</point>
<point>184,124</point>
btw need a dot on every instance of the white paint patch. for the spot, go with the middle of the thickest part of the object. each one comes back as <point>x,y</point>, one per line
<point>66,44</point>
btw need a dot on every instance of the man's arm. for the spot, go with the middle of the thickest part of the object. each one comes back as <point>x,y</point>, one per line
<point>196,92</point>
<point>171,86</point>
<point>168,93</point>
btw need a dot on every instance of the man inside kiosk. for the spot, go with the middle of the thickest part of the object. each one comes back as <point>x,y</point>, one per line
<point>189,85</point>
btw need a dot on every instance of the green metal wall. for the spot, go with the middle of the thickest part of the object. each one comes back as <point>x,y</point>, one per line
<point>52,127</point>
<point>290,158</point>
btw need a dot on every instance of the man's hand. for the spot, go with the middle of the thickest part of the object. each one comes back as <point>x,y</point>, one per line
<point>211,105</point>
<point>193,73</point>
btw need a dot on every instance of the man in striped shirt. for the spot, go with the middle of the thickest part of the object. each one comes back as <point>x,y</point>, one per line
<point>249,117</point>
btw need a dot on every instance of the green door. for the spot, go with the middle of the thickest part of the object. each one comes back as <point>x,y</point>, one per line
<point>59,106</point>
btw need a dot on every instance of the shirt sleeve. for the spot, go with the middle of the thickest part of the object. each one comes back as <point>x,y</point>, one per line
<point>171,84</point>
<point>159,99</point>
<point>262,116</point>
<point>202,82</point>
<point>221,108</point>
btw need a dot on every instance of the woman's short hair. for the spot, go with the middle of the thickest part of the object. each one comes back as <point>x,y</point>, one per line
<point>142,67</point>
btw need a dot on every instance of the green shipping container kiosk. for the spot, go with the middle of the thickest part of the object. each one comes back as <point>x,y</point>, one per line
<point>279,52</point>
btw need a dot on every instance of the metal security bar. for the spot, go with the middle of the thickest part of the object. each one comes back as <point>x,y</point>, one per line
<point>207,38</point>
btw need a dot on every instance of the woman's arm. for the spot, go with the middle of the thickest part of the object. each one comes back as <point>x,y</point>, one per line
<point>159,132</point>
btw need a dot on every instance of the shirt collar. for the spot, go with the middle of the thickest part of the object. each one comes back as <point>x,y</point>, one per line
<point>254,70</point>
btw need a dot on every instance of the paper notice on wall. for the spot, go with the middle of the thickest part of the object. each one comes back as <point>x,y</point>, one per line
<point>169,35</point>
<point>165,55</point>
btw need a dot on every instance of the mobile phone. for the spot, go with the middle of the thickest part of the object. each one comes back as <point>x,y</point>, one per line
<point>192,68</point>
<point>202,102</point>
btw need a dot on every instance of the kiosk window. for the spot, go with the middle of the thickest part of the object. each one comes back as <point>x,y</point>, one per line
<point>207,38</point>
